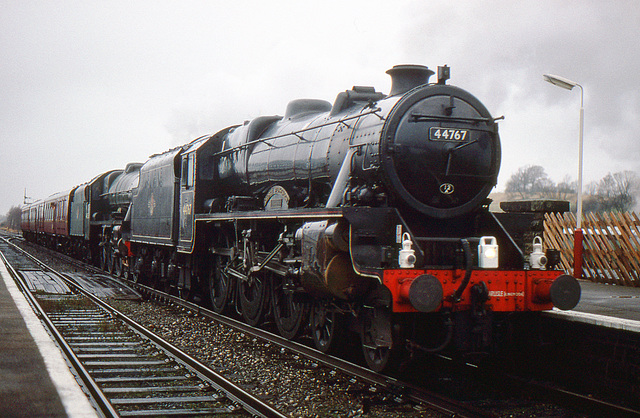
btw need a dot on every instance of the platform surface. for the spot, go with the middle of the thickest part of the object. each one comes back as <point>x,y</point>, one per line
<point>35,381</point>
<point>610,300</point>
<point>606,305</point>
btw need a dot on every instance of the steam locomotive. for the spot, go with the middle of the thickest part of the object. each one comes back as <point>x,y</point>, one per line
<point>368,216</point>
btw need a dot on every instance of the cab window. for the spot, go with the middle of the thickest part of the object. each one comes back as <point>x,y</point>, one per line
<point>188,171</point>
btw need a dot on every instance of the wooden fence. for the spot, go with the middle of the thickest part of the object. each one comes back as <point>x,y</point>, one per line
<point>611,245</point>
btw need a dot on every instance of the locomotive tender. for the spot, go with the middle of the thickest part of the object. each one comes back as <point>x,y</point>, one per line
<point>368,215</point>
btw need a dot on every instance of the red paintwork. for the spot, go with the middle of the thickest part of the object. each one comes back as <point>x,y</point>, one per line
<point>54,214</point>
<point>128,245</point>
<point>509,291</point>
<point>32,217</point>
<point>577,253</point>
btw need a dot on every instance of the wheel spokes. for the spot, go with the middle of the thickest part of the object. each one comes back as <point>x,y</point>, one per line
<point>379,347</point>
<point>289,314</point>
<point>327,329</point>
<point>219,286</point>
<point>252,295</point>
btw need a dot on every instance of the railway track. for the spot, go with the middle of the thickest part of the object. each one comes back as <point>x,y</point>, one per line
<point>399,389</point>
<point>404,390</point>
<point>128,370</point>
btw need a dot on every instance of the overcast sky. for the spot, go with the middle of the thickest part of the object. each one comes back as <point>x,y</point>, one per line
<point>88,86</point>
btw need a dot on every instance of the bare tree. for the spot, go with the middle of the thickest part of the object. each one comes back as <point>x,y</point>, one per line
<point>566,188</point>
<point>615,192</point>
<point>529,182</point>
<point>13,218</point>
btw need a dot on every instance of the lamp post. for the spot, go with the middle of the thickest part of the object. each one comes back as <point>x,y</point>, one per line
<point>577,237</point>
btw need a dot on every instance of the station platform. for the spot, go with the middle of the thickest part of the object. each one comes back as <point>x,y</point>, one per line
<point>606,305</point>
<point>35,380</point>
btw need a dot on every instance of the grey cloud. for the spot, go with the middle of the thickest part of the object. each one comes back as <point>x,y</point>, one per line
<point>91,86</point>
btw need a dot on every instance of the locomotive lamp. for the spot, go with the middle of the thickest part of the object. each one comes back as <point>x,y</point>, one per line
<point>577,238</point>
<point>488,253</point>
<point>537,258</point>
<point>407,255</point>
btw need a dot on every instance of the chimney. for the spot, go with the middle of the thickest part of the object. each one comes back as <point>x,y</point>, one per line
<point>406,77</point>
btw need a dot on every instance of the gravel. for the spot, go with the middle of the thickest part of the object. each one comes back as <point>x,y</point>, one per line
<point>295,385</point>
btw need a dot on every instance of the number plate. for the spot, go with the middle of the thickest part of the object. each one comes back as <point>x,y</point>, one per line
<point>448,134</point>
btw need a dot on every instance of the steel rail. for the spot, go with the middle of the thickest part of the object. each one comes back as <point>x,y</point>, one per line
<point>249,402</point>
<point>408,390</point>
<point>393,385</point>
<point>96,393</point>
<point>578,401</point>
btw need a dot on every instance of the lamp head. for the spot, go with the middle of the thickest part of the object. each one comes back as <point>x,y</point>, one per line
<point>560,81</point>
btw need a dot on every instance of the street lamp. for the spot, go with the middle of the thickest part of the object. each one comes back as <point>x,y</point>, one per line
<point>577,238</point>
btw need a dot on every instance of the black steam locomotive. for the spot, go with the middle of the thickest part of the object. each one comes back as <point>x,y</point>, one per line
<point>367,215</point>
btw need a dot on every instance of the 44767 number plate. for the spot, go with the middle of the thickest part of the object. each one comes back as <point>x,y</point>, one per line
<point>447,134</point>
